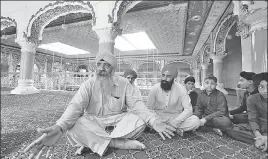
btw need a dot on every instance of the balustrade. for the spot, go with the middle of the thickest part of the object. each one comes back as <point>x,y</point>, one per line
<point>68,81</point>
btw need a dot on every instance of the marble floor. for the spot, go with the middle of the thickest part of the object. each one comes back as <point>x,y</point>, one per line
<point>21,115</point>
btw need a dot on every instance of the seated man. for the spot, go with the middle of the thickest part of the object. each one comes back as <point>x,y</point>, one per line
<point>245,82</point>
<point>211,107</point>
<point>101,102</point>
<point>189,85</point>
<point>171,102</point>
<point>256,130</point>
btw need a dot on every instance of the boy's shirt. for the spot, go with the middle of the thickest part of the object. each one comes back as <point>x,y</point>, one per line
<point>257,113</point>
<point>193,95</point>
<point>212,105</point>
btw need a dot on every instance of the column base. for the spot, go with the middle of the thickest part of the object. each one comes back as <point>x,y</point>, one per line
<point>220,87</point>
<point>25,87</point>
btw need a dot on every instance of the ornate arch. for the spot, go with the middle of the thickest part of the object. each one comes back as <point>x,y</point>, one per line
<point>7,22</point>
<point>187,61</point>
<point>120,8</point>
<point>145,62</point>
<point>53,11</point>
<point>223,30</point>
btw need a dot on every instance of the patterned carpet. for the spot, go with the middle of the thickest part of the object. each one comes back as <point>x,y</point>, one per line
<point>22,114</point>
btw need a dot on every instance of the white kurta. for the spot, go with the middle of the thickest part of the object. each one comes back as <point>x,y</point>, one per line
<point>173,106</point>
<point>88,114</point>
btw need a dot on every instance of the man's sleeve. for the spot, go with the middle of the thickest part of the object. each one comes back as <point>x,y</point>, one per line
<point>199,108</point>
<point>187,106</point>
<point>76,107</point>
<point>136,105</point>
<point>221,110</point>
<point>252,114</point>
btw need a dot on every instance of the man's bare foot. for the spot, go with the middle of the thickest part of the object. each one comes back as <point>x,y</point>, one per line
<point>81,150</point>
<point>127,144</point>
<point>218,131</point>
<point>179,132</point>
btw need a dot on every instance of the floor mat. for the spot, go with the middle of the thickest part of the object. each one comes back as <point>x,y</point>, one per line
<point>21,115</point>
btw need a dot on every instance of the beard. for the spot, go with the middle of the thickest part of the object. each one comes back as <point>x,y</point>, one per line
<point>105,82</point>
<point>165,85</point>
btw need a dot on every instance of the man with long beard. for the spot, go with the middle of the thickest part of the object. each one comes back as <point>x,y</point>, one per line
<point>103,113</point>
<point>171,102</point>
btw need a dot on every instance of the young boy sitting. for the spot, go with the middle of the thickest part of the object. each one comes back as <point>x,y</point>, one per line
<point>189,85</point>
<point>211,107</point>
<point>255,132</point>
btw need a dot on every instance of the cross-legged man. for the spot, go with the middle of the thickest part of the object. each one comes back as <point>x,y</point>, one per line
<point>102,102</point>
<point>171,102</point>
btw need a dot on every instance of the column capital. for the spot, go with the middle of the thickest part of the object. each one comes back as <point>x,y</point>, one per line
<point>108,33</point>
<point>256,15</point>
<point>26,46</point>
<point>218,58</point>
<point>242,30</point>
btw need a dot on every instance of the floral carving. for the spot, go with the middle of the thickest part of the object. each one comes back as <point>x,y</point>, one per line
<point>120,8</point>
<point>242,30</point>
<point>7,22</point>
<point>218,8</point>
<point>221,34</point>
<point>51,12</point>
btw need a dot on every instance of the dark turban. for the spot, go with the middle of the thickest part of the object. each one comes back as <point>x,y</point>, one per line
<point>247,75</point>
<point>259,77</point>
<point>173,70</point>
<point>130,72</point>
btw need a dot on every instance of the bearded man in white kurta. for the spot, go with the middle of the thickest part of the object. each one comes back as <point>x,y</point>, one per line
<point>172,103</point>
<point>103,101</point>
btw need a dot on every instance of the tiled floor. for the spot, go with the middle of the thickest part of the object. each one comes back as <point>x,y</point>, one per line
<point>22,114</point>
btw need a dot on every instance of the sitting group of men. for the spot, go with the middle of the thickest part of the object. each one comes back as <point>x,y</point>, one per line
<point>108,111</point>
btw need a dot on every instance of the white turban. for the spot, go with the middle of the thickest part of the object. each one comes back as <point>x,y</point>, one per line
<point>108,57</point>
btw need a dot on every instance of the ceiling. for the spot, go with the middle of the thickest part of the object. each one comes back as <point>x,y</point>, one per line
<point>175,27</point>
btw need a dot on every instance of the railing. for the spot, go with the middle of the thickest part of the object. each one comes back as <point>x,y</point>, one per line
<point>67,81</point>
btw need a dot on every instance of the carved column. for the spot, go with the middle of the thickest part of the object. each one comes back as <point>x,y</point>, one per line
<point>204,67</point>
<point>25,82</point>
<point>10,62</point>
<point>107,35</point>
<point>196,72</point>
<point>252,28</point>
<point>217,70</point>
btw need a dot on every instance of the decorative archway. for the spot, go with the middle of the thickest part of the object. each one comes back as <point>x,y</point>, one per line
<point>7,22</point>
<point>158,66</point>
<point>221,34</point>
<point>53,11</point>
<point>120,8</point>
<point>187,61</point>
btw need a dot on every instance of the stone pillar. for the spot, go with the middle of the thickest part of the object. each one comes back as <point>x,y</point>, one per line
<point>217,71</point>
<point>259,49</point>
<point>204,67</point>
<point>107,35</point>
<point>25,82</point>
<point>253,31</point>
<point>196,72</point>
<point>10,62</point>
